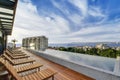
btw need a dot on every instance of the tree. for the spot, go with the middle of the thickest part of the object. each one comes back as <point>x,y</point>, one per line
<point>112,53</point>
<point>14,45</point>
<point>118,52</point>
<point>80,51</point>
<point>108,53</point>
<point>62,49</point>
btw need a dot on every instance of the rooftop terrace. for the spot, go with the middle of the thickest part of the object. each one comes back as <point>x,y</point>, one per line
<point>99,68</point>
<point>64,73</point>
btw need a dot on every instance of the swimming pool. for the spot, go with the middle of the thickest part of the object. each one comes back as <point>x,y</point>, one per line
<point>94,61</point>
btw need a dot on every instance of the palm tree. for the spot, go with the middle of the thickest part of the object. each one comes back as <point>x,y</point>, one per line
<point>14,45</point>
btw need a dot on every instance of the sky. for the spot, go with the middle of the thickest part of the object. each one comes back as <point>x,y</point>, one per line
<point>66,21</point>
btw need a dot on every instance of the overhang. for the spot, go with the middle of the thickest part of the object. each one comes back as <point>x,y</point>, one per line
<point>7,15</point>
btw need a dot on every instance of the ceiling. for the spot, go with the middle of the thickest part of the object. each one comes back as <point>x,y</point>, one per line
<point>7,15</point>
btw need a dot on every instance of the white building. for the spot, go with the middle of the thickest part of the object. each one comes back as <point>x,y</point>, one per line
<point>117,48</point>
<point>36,43</point>
<point>85,48</point>
<point>102,46</point>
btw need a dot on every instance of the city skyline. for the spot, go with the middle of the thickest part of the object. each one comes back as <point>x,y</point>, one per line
<point>68,20</point>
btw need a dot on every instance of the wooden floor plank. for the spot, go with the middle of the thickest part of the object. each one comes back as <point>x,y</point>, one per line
<point>64,73</point>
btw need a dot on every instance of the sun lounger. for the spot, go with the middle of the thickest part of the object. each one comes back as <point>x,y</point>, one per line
<point>18,62</point>
<point>15,56</point>
<point>28,67</point>
<point>16,53</point>
<point>40,75</point>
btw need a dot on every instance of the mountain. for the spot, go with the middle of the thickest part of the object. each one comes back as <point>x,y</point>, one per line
<point>73,44</point>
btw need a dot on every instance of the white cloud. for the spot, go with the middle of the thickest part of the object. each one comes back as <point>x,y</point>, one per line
<point>85,11</point>
<point>97,33</point>
<point>29,23</point>
<point>95,11</point>
<point>61,6</point>
<point>74,17</point>
<point>103,32</point>
<point>81,4</point>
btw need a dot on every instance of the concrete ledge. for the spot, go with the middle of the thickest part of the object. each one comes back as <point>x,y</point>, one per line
<point>89,71</point>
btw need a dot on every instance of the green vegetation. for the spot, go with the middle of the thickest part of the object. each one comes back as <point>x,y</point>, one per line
<point>112,53</point>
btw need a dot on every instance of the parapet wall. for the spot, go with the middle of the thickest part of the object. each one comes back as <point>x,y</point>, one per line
<point>89,71</point>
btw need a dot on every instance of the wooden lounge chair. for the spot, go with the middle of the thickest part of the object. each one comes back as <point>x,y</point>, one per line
<point>28,67</point>
<point>15,57</point>
<point>16,53</point>
<point>18,62</point>
<point>40,75</point>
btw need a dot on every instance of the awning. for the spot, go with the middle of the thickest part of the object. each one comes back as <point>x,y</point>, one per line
<point>7,14</point>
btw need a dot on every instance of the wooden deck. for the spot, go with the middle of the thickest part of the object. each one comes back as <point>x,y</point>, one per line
<point>63,72</point>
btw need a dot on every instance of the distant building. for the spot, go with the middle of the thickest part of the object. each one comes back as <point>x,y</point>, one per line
<point>85,48</point>
<point>36,43</point>
<point>102,46</point>
<point>117,48</point>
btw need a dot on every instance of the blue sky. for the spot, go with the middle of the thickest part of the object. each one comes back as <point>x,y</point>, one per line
<point>64,21</point>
